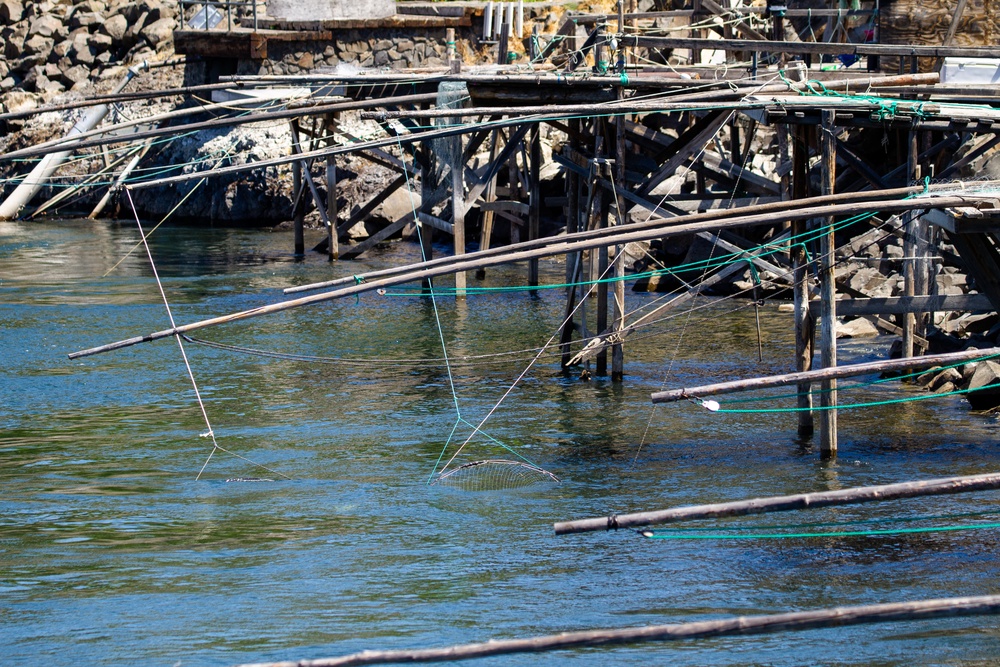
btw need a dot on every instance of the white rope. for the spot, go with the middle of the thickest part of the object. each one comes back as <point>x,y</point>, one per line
<point>180,344</point>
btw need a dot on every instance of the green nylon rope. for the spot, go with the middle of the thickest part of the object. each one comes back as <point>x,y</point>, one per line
<point>846,533</point>
<point>759,252</point>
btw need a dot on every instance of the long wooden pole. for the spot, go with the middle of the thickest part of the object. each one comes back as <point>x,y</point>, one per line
<point>853,496</point>
<point>772,207</point>
<point>828,291</point>
<point>559,246</point>
<point>267,116</point>
<point>852,370</point>
<point>920,610</point>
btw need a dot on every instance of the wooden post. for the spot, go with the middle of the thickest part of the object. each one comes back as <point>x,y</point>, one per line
<point>602,287</point>
<point>427,189</point>
<point>828,399</point>
<point>486,224</point>
<point>804,324</point>
<point>298,215</point>
<point>910,250</point>
<point>573,259</point>
<point>534,197</point>
<point>331,192</point>
<point>621,208</point>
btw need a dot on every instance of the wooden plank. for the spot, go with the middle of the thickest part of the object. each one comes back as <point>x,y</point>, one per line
<point>814,48</point>
<point>899,305</point>
<point>520,208</point>
<point>350,252</point>
<point>689,143</point>
<point>982,260</point>
<point>436,223</point>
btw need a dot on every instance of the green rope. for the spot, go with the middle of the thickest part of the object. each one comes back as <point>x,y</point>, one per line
<point>846,533</point>
<point>829,524</point>
<point>849,406</point>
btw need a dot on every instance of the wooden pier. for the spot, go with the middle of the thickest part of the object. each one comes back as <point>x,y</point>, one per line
<point>771,149</point>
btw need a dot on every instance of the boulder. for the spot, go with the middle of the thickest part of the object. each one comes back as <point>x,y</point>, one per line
<point>985,386</point>
<point>949,376</point>
<point>89,20</point>
<point>75,75</point>
<point>36,45</point>
<point>46,25</point>
<point>857,328</point>
<point>115,27</point>
<point>11,12</point>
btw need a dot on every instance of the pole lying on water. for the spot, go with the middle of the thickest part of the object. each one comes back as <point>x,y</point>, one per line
<point>559,246</point>
<point>920,610</point>
<point>833,373</point>
<point>852,496</point>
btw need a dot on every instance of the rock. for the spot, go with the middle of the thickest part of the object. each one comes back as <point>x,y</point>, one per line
<point>115,27</point>
<point>75,75</point>
<point>100,42</point>
<point>36,45</point>
<point>89,20</point>
<point>134,31</point>
<point>857,328</point>
<point>985,384</point>
<point>46,25</point>
<point>14,37</point>
<point>946,388</point>
<point>11,12</point>
<point>161,31</point>
<point>949,376</point>
<point>870,281</point>
<point>82,53</point>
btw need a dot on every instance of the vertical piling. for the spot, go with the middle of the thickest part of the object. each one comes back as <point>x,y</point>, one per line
<point>828,399</point>
<point>298,195</point>
<point>534,197</point>
<point>910,250</point>
<point>621,209</point>
<point>804,324</point>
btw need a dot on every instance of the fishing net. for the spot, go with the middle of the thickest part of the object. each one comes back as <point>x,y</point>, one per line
<point>494,475</point>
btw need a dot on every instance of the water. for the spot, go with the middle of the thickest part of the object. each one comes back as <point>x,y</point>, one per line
<point>112,553</point>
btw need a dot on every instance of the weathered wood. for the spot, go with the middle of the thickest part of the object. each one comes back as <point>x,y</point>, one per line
<point>921,610</point>
<point>814,48</point>
<point>898,305</point>
<point>549,247</point>
<point>352,251</point>
<point>867,368</point>
<point>851,496</point>
<point>828,291</point>
<point>805,326</point>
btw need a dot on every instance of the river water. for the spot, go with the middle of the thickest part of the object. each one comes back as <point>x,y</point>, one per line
<point>112,552</point>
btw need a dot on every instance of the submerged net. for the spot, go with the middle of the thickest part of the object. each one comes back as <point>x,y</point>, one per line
<point>494,475</point>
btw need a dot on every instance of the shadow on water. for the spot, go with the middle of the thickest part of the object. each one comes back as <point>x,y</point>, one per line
<point>111,552</point>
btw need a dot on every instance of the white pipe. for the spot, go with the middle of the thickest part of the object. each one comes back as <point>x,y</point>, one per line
<point>498,20</point>
<point>35,180</point>
<point>519,20</point>
<point>488,21</point>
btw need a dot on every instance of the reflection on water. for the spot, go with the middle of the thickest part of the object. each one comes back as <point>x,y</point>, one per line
<point>111,552</point>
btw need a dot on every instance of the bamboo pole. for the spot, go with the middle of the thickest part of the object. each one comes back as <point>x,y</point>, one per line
<point>837,372</point>
<point>919,610</point>
<point>558,246</point>
<point>852,496</point>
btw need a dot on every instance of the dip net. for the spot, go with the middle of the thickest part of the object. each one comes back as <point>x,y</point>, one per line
<point>493,475</point>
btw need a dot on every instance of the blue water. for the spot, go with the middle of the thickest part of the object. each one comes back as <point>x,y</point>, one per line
<point>111,552</point>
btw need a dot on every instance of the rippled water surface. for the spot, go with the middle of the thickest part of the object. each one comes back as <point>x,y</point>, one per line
<point>112,552</point>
